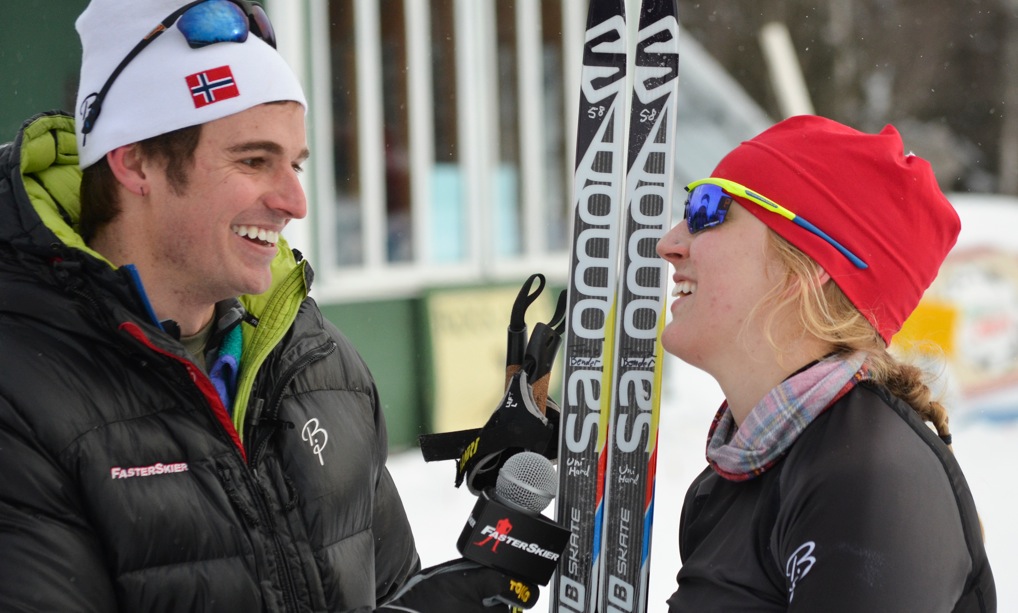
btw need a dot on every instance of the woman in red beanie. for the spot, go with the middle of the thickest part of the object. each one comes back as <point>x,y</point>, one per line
<point>827,490</point>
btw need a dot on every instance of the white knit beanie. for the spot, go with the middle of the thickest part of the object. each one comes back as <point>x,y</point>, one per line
<point>153,95</point>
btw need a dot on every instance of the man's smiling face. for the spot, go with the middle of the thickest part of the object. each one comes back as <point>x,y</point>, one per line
<point>218,234</point>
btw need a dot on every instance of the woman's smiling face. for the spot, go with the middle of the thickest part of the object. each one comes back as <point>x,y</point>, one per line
<point>720,275</point>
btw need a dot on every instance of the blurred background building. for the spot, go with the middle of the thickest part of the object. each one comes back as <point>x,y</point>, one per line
<point>442,142</point>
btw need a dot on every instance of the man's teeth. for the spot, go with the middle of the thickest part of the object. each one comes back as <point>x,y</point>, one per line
<point>254,232</point>
<point>683,288</point>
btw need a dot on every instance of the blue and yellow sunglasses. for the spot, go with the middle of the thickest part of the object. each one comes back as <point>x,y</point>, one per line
<point>709,200</point>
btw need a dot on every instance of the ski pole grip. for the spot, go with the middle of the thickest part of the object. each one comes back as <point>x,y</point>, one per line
<point>516,334</point>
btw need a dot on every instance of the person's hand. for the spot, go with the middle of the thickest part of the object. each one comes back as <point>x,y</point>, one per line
<point>462,586</point>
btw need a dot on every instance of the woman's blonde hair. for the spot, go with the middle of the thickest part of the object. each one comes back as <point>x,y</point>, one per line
<point>825,312</point>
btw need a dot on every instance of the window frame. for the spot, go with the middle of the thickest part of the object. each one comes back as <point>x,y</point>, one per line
<point>478,134</point>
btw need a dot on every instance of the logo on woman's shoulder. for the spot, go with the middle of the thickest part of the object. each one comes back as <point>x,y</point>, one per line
<point>798,566</point>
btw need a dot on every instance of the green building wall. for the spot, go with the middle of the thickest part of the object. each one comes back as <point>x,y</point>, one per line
<point>388,335</point>
<point>38,60</point>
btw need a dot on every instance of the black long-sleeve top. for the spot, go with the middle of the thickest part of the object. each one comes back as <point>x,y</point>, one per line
<point>867,512</point>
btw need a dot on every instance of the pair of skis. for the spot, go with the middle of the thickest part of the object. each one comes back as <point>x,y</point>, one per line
<point>622,194</point>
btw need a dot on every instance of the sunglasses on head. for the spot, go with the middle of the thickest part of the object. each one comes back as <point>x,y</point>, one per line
<point>205,22</point>
<point>709,200</point>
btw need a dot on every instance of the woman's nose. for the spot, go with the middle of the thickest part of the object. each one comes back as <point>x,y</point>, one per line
<point>675,242</point>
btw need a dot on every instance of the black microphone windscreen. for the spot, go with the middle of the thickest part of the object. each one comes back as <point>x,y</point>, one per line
<point>527,481</point>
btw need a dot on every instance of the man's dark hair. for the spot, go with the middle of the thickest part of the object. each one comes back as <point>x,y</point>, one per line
<point>99,202</point>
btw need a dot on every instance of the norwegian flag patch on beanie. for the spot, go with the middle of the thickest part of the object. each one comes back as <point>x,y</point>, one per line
<point>212,85</point>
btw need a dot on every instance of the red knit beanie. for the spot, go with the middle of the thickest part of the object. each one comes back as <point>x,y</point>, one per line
<point>866,193</point>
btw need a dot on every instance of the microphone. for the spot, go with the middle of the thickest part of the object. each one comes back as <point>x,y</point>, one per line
<point>526,482</point>
<point>506,531</point>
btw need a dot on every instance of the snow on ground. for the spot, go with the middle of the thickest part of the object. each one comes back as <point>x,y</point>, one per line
<point>987,450</point>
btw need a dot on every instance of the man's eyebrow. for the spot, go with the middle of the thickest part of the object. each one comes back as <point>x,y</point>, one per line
<point>266,146</point>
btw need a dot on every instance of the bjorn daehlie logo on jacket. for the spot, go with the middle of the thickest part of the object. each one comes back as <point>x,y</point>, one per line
<point>159,468</point>
<point>212,85</point>
<point>316,436</point>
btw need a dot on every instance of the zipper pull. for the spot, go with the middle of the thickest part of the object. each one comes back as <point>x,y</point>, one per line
<point>255,411</point>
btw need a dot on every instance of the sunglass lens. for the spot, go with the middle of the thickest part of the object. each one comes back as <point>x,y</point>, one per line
<point>215,21</point>
<point>262,26</point>
<point>706,206</point>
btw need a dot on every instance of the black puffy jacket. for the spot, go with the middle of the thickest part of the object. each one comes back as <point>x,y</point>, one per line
<point>124,484</point>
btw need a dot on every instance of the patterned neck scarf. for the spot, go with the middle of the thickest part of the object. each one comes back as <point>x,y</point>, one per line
<point>226,366</point>
<point>226,363</point>
<point>741,453</point>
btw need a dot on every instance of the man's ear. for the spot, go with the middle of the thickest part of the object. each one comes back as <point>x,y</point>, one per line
<point>128,166</point>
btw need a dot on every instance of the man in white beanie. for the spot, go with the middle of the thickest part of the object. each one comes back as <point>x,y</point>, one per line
<point>180,427</point>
